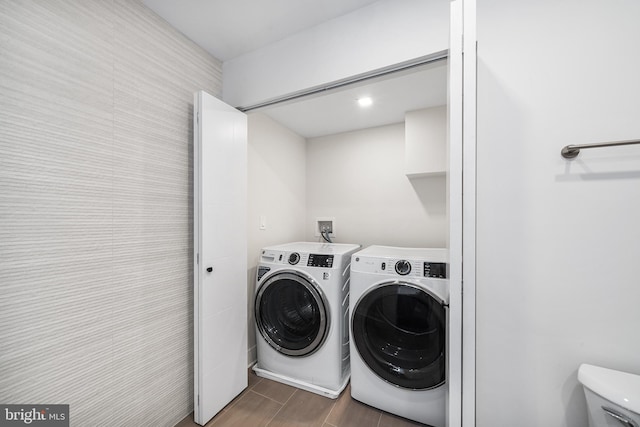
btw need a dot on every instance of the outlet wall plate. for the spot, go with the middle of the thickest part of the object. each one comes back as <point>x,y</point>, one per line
<point>324,222</point>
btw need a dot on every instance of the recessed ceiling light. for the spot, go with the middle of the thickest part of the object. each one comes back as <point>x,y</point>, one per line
<point>365,102</point>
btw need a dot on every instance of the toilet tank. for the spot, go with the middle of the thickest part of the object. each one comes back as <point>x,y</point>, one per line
<point>613,397</point>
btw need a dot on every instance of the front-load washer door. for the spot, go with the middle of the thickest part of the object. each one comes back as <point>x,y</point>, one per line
<point>292,313</point>
<point>399,330</point>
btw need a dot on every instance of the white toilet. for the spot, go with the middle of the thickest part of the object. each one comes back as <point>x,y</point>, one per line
<point>613,397</point>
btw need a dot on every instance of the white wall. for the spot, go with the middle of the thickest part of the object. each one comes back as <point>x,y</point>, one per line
<point>276,187</point>
<point>359,178</point>
<point>96,283</point>
<point>557,241</point>
<point>381,34</point>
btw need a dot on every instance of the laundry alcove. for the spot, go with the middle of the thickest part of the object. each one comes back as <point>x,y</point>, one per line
<point>351,169</point>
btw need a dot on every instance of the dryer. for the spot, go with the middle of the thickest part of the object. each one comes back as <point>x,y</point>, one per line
<point>301,313</point>
<point>399,331</point>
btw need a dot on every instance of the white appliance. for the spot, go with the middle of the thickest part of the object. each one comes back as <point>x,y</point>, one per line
<point>301,312</point>
<point>399,331</point>
<point>613,397</point>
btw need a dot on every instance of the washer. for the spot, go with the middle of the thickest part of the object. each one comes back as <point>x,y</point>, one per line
<point>399,331</point>
<point>302,315</point>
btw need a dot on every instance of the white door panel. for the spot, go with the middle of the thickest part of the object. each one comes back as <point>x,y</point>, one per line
<point>220,255</point>
<point>218,377</point>
<point>219,169</point>
<point>218,288</point>
<point>223,222</point>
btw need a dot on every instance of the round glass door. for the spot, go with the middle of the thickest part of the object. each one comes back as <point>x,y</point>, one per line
<point>291,314</point>
<point>399,331</point>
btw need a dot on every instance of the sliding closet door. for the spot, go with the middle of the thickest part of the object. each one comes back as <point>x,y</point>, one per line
<point>220,255</point>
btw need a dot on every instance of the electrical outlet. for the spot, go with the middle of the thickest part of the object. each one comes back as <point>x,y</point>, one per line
<point>325,225</point>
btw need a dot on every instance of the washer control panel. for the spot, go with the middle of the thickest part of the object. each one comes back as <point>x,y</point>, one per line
<point>298,258</point>
<point>316,260</point>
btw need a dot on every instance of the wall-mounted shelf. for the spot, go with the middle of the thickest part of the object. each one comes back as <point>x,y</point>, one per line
<point>425,142</point>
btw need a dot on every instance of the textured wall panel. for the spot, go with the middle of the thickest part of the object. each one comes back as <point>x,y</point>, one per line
<point>96,209</point>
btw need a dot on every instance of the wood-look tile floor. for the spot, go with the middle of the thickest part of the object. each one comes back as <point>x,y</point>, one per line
<point>266,403</point>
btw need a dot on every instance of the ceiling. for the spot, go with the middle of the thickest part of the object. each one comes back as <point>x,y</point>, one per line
<point>338,111</point>
<point>228,29</point>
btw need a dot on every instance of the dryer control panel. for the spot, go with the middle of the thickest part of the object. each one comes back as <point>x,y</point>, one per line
<point>435,269</point>
<point>401,267</point>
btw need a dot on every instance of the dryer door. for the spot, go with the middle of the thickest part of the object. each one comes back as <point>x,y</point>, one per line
<point>399,331</point>
<point>292,313</point>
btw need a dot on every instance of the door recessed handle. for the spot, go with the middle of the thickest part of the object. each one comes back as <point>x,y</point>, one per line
<point>209,269</point>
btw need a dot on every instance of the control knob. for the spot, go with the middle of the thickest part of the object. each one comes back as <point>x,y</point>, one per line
<point>294,258</point>
<point>403,267</point>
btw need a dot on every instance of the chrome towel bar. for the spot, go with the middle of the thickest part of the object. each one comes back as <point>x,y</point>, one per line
<point>571,151</point>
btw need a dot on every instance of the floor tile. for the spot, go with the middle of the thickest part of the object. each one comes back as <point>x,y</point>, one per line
<point>350,412</point>
<point>303,409</point>
<point>251,410</point>
<point>187,422</point>
<point>267,403</point>
<point>253,378</point>
<point>274,390</point>
<point>235,399</point>
<point>389,420</point>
